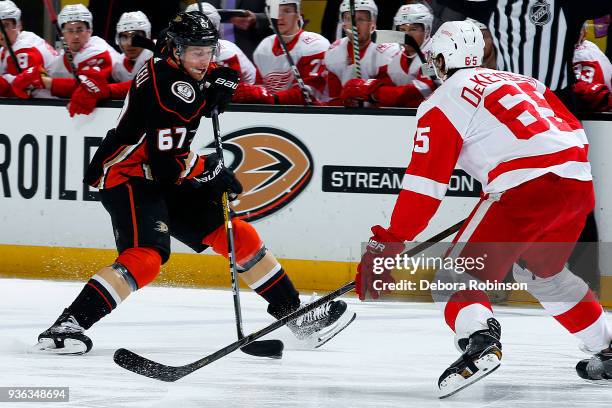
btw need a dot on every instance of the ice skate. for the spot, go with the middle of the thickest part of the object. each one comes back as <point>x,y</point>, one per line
<point>597,369</point>
<point>482,355</point>
<point>65,336</point>
<point>320,325</point>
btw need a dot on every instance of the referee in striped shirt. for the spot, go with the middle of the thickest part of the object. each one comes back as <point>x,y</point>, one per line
<point>535,37</point>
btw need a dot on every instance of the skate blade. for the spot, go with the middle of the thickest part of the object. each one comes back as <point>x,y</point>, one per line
<point>47,346</point>
<point>486,365</point>
<point>604,382</point>
<point>337,327</point>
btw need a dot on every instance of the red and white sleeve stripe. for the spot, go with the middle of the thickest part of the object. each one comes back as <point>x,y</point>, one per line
<point>437,145</point>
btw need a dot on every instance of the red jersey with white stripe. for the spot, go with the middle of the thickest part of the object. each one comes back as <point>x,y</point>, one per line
<point>30,50</point>
<point>374,63</point>
<point>232,57</point>
<point>591,65</point>
<point>125,69</point>
<point>503,129</point>
<point>307,50</point>
<point>96,53</point>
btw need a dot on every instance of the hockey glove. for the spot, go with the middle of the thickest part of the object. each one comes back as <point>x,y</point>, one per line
<point>93,87</point>
<point>593,97</point>
<point>5,87</point>
<point>27,80</point>
<point>372,268</point>
<point>222,83</point>
<point>218,178</point>
<point>247,93</point>
<point>360,90</point>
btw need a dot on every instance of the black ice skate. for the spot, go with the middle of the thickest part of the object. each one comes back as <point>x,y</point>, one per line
<point>320,325</point>
<point>597,369</point>
<point>64,337</point>
<point>482,355</point>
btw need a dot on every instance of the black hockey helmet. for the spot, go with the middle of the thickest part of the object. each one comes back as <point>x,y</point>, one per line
<point>192,28</point>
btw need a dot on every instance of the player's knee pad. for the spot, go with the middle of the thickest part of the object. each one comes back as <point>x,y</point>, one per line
<point>562,287</point>
<point>142,263</point>
<point>249,247</point>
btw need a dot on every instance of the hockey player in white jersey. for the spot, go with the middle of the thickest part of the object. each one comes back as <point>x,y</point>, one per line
<point>30,49</point>
<point>515,137</point>
<point>275,81</point>
<point>228,53</point>
<point>374,59</point>
<point>593,70</point>
<point>93,59</point>
<point>409,85</point>
<point>133,58</point>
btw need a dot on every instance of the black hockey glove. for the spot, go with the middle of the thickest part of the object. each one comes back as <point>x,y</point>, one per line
<point>218,178</point>
<point>222,83</point>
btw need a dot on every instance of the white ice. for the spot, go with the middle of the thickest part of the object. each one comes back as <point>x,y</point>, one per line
<point>391,356</point>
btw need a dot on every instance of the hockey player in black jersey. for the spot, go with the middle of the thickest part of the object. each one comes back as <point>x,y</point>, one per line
<point>154,187</point>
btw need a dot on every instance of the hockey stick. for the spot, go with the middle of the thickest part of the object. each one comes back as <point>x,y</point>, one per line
<point>152,369</point>
<point>67,52</point>
<point>273,14</point>
<point>9,47</point>
<point>143,366</point>
<point>263,348</point>
<point>355,40</point>
<point>143,42</point>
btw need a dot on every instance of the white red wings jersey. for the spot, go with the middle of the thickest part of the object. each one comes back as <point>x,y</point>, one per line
<point>96,53</point>
<point>125,69</point>
<point>374,63</point>
<point>307,50</point>
<point>503,129</point>
<point>30,50</point>
<point>230,55</point>
<point>404,70</point>
<point>591,65</point>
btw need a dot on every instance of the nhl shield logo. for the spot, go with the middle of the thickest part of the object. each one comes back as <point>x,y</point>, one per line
<point>540,13</point>
<point>183,91</point>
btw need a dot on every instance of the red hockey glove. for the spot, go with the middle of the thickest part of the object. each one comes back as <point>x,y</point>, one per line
<point>593,97</point>
<point>93,87</point>
<point>27,80</point>
<point>382,245</point>
<point>5,88</point>
<point>247,93</point>
<point>360,89</point>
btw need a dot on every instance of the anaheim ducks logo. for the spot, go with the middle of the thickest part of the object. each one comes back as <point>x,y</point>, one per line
<point>273,167</point>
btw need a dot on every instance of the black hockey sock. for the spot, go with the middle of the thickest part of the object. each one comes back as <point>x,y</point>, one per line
<point>93,303</point>
<point>280,293</point>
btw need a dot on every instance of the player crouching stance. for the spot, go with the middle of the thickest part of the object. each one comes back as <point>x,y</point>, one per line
<point>529,152</point>
<point>153,186</point>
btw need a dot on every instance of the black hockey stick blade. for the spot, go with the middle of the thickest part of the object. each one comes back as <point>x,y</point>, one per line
<point>143,42</point>
<point>143,366</point>
<point>265,348</point>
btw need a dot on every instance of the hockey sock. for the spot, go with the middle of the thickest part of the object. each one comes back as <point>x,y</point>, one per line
<point>586,321</point>
<point>569,300</point>
<point>278,290</point>
<point>467,311</point>
<point>96,300</point>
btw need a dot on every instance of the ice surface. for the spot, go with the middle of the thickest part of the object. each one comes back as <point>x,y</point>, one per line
<point>391,356</point>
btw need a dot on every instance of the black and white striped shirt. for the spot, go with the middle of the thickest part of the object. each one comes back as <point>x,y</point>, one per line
<point>535,37</point>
